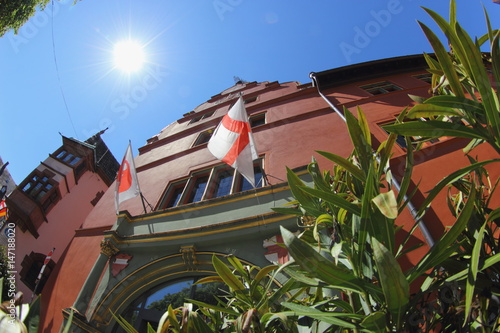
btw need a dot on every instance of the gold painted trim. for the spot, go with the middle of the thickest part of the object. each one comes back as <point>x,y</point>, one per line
<point>126,290</point>
<point>259,222</point>
<point>173,256</point>
<point>198,205</point>
<point>79,323</point>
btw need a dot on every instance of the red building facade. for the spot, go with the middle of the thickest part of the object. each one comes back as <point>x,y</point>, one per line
<point>200,207</point>
<point>52,202</point>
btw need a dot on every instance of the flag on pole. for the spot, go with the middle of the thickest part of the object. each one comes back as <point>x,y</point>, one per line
<point>3,208</point>
<point>232,141</point>
<point>127,186</point>
<point>40,275</point>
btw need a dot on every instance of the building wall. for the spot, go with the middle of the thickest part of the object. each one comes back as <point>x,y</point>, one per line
<point>298,123</point>
<point>62,221</point>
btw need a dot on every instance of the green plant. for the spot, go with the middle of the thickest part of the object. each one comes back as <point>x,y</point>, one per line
<point>345,275</point>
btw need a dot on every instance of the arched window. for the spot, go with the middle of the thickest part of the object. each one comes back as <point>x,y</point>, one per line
<point>150,306</point>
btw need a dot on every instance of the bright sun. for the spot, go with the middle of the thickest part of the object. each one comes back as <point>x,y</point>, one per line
<point>128,56</point>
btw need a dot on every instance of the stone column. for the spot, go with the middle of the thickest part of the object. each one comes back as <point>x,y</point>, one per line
<point>108,250</point>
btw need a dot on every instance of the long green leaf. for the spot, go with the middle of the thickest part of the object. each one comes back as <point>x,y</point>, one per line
<point>328,317</point>
<point>394,285</point>
<point>439,252</point>
<point>318,266</point>
<point>119,319</point>
<point>362,148</point>
<point>455,102</point>
<point>306,201</point>
<point>429,110</point>
<point>473,269</point>
<point>450,179</point>
<point>444,60</point>
<point>495,58</point>
<point>209,279</point>
<point>434,129</point>
<point>344,163</point>
<point>288,211</point>
<point>264,272</point>
<point>236,263</point>
<point>453,12</point>
<point>495,214</point>
<point>478,72</point>
<point>334,199</point>
<point>363,124</point>
<point>225,273</point>
<point>317,176</point>
<point>487,264</point>
<point>406,181</point>
<point>375,322</point>
<point>451,35</point>
<point>217,308</point>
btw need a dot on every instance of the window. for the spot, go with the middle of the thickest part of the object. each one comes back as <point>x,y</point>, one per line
<point>201,117</point>
<point>204,137</point>
<point>68,158</point>
<point>257,120</point>
<point>199,186</point>
<point>223,183</point>
<point>216,182</point>
<point>154,303</point>
<point>426,77</point>
<point>38,185</point>
<point>31,266</point>
<point>379,88</point>
<point>244,184</point>
<point>176,196</point>
<point>250,100</point>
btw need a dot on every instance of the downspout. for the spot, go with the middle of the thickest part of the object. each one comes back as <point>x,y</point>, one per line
<point>413,211</point>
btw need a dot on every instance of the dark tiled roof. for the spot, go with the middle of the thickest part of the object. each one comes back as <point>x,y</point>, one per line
<point>104,159</point>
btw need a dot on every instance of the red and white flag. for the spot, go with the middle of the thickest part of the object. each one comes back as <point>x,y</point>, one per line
<point>45,263</point>
<point>3,208</point>
<point>127,186</point>
<point>232,141</point>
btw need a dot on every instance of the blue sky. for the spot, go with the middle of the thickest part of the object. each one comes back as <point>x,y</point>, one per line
<point>193,50</point>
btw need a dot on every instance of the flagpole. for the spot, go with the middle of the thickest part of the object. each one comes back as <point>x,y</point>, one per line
<point>143,204</point>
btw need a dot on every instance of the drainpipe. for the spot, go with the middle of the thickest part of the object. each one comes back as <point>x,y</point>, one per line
<point>413,211</point>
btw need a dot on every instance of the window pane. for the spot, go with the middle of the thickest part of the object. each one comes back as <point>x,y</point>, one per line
<point>203,138</point>
<point>37,187</point>
<point>258,120</point>
<point>26,187</point>
<point>401,141</point>
<point>40,195</point>
<point>68,157</point>
<point>245,185</point>
<point>380,88</point>
<point>198,189</point>
<point>223,186</point>
<point>176,196</point>
<point>61,154</point>
<point>75,160</point>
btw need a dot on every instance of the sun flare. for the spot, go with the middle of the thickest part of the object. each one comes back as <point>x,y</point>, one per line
<point>128,56</point>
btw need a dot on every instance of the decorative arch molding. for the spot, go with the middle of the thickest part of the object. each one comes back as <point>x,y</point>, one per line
<point>187,263</point>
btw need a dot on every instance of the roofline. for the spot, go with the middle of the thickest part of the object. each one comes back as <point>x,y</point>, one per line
<point>369,70</point>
